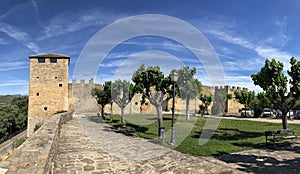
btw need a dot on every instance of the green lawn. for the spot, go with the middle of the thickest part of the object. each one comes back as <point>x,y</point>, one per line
<point>230,136</point>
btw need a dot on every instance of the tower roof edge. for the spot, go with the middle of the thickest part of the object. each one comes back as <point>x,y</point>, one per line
<point>51,55</point>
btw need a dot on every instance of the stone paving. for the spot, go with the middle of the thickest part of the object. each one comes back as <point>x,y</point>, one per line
<point>89,146</point>
<point>281,160</point>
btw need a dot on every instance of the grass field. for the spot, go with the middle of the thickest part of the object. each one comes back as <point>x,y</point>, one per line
<point>230,136</point>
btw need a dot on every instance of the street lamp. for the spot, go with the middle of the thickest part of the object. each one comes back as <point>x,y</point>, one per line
<point>174,78</point>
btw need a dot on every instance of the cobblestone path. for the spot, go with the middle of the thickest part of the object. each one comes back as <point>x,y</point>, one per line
<point>89,146</point>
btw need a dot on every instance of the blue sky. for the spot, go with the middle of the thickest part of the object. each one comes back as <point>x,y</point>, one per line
<point>243,34</point>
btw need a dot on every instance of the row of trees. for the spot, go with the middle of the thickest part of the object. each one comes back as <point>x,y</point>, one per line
<point>13,116</point>
<point>157,88</point>
<point>154,86</point>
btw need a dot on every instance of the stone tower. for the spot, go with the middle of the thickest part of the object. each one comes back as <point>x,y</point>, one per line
<point>48,87</point>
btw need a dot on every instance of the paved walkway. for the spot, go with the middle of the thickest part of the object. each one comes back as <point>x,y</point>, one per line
<point>89,146</point>
<point>283,160</point>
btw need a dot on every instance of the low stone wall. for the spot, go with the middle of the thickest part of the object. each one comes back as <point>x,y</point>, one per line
<point>37,153</point>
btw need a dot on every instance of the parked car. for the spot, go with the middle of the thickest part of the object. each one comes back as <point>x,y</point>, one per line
<point>297,114</point>
<point>268,112</point>
<point>278,114</point>
<point>290,113</point>
<point>249,112</point>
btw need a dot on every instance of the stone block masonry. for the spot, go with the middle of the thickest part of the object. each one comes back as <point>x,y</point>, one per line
<point>80,98</point>
<point>48,87</point>
<point>37,153</point>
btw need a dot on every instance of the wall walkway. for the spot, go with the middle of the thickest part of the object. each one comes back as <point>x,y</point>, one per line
<point>37,153</point>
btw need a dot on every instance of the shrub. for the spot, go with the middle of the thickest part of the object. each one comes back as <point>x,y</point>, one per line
<point>37,126</point>
<point>18,142</point>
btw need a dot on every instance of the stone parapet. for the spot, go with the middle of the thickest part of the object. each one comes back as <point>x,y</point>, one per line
<point>37,153</point>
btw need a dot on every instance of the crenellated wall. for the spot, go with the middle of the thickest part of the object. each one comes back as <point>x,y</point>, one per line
<point>36,154</point>
<point>80,98</point>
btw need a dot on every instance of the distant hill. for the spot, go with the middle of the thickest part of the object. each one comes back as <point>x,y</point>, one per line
<point>7,98</point>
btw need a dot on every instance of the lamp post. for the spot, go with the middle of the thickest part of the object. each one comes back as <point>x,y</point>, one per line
<point>174,79</point>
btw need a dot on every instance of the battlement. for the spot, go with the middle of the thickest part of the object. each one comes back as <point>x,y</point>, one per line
<point>82,82</point>
<point>231,88</point>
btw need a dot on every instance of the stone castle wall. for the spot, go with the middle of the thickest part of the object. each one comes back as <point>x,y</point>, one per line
<point>37,153</point>
<point>229,106</point>
<point>80,98</point>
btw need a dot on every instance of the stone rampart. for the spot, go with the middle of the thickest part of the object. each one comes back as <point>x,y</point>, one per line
<point>80,98</point>
<point>37,153</point>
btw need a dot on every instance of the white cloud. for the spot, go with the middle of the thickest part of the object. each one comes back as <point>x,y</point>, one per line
<point>13,32</point>
<point>32,46</point>
<point>67,22</point>
<point>266,52</point>
<point>273,53</point>
<point>13,65</point>
<point>231,39</point>
<point>14,83</point>
<point>19,36</point>
<point>242,81</point>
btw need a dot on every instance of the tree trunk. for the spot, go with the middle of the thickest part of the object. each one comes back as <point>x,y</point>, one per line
<point>160,121</point>
<point>284,120</point>
<point>122,115</point>
<point>111,110</point>
<point>187,108</point>
<point>102,111</point>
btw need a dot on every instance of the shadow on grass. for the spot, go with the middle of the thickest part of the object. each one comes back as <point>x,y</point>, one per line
<point>231,134</point>
<point>127,129</point>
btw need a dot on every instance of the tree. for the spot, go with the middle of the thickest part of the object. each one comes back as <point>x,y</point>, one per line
<point>20,120</point>
<point>244,97</point>
<point>189,87</point>
<point>13,116</point>
<point>122,93</point>
<point>153,85</point>
<point>206,101</point>
<point>103,96</point>
<point>260,102</point>
<point>283,93</point>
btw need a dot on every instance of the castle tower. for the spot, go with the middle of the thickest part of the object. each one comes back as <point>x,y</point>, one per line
<point>48,87</point>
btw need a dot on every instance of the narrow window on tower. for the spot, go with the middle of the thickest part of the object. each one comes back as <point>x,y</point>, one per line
<point>37,94</point>
<point>60,85</point>
<point>53,60</point>
<point>41,60</point>
<point>45,108</point>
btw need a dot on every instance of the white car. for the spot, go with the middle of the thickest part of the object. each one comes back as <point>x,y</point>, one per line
<point>268,112</point>
<point>249,112</point>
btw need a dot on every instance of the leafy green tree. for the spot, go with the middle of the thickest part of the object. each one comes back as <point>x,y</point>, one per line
<point>103,96</point>
<point>245,97</point>
<point>20,121</point>
<point>189,87</point>
<point>122,93</point>
<point>206,101</point>
<point>153,85</point>
<point>13,116</point>
<point>259,103</point>
<point>283,93</point>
